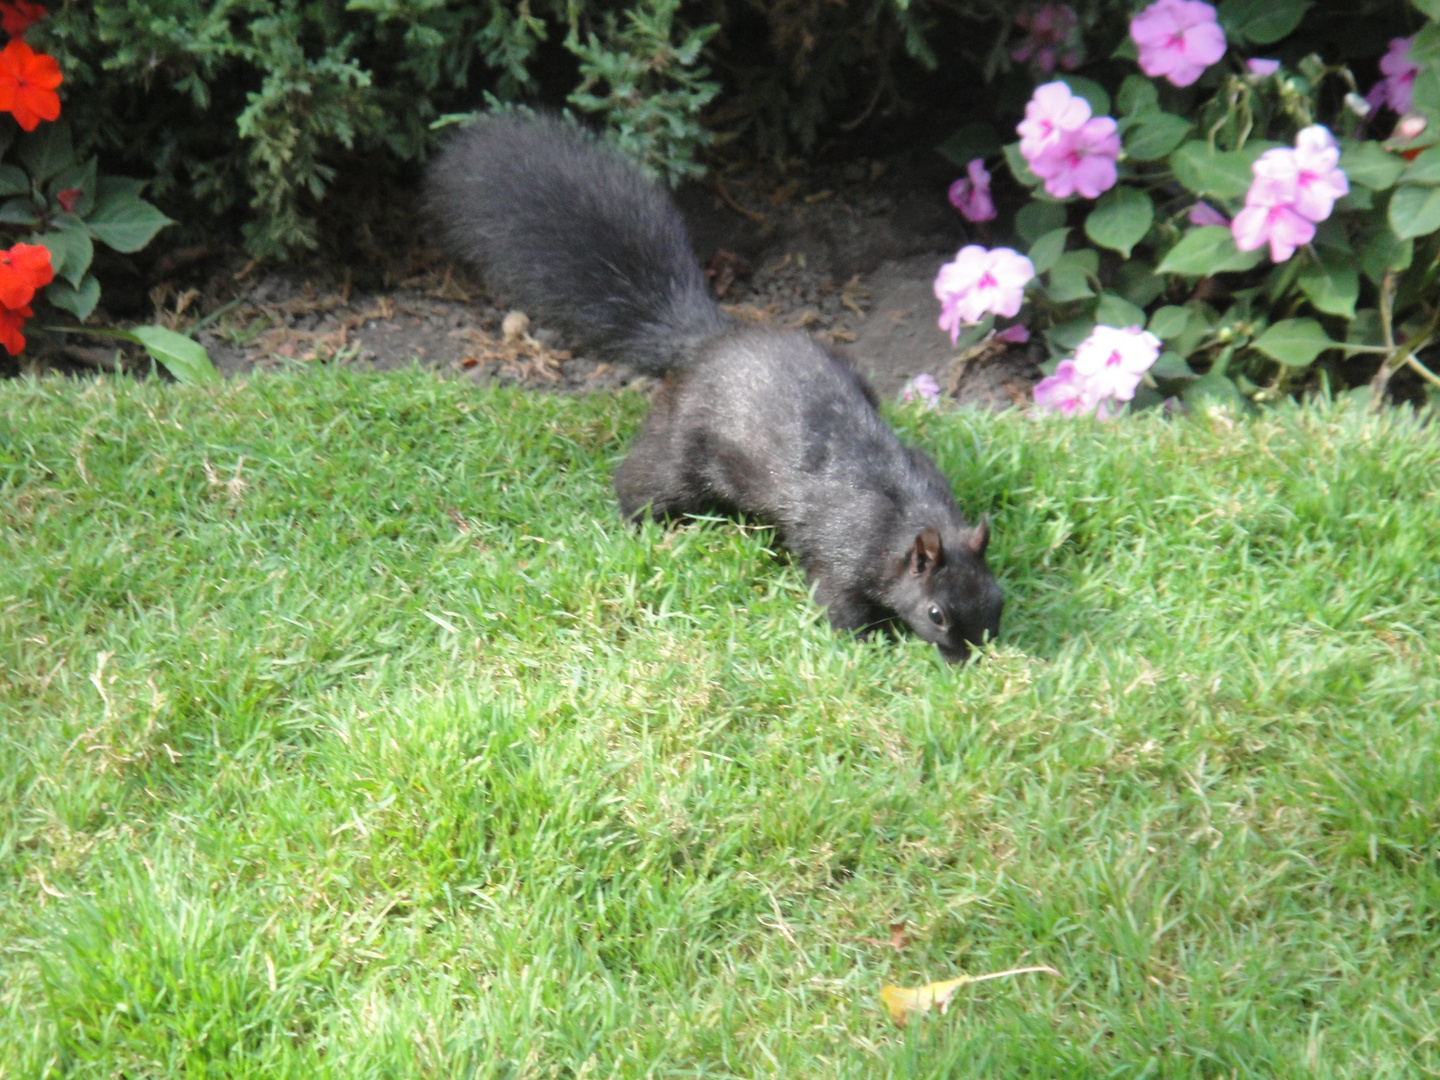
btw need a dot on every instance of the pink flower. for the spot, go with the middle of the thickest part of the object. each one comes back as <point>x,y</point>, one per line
<point>1280,225</point>
<point>1062,392</point>
<point>1053,38</point>
<point>1398,85</point>
<point>1409,127</point>
<point>1292,190</point>
<point>971,194</point>
<point>1051,112</point>
<point>1319,181</point>
<point>924,389</point>
<point>1178,39</point>
<point>1081,161</point>
<point>1014,335</point>
<point>1111,361</point>
<point>980,281</point>
<point>1262,69</point>
<point>1205,214</point>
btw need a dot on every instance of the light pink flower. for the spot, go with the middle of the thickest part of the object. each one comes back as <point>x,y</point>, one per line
<point>1178,39</point>
<point>1203,213</point>
<point>1320,181</point>
<point>1053,38</point>
<point>1281,225</point>
<point>1081,161</point>
<point>1398,85</point>
<point>1062,392</point>
<point>971,194</point>
<point>1110,362</point>
<point>1262,68</point>
<point>924,389</point>
<point>981,281</point>
<point>1051,112</point>
<point>1409,127</point>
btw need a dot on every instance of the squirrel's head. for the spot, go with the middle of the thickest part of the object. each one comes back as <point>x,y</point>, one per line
<point>946,593</point>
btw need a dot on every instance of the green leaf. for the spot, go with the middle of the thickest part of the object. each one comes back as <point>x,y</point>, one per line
<point>1209,249</point>
<point>1425,47</point>
<point>1120,219</point>
<point>1035,219</point>
<point>183,357</point>
<point>1386,252</point>
<point>1171,365</point>
<point>1067,335</point>
<point>1414,211</point>
<point>1261,22</point>
<point>1019,167</point>
<point>1430,8</point>
<point>1169,322</point>
<point>1213,389</point>
<point>108,186</point>
<point>1137,96</point>
<point>1223,174</point>
<point>1115,310</point>
<point>47,151</point>
<point>1047,250</point>
<point>1425,169</point>
<point>13,181</point>
<point>1332,283</point>
<point>125,223</point>
<point>1090,90</point>
<point>1137,281</point>
<point>1156,135</point>
<point>70,254</point>
<point>19,212</point>
<point>1295,342</point>
<point>79,301</point>
<point>970,142</point>
<point>1070,276</point>
<point>1371,164</point>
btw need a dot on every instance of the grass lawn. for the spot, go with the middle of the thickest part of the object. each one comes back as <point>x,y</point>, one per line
<point>346,732</point>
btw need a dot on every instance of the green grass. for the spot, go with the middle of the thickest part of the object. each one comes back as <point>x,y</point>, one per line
<point>345,732</point>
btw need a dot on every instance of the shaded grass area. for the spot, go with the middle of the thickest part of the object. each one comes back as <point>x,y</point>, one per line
<point>344,731</point>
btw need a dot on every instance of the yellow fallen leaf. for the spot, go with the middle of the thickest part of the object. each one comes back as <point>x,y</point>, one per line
<point>901,1001</point>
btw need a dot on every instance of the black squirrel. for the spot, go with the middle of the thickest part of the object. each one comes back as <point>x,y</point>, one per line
<point>750,420</point>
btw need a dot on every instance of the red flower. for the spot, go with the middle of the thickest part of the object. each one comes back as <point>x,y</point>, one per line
<point>69,197</point>
<point>12,321</point>
<point>27,85</point>
<point>23,269</point>
<point>17,16</point>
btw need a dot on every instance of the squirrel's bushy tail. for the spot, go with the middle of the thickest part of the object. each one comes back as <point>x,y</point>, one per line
<point>571,231</point>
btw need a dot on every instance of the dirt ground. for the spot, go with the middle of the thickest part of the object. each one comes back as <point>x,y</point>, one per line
<point>848,252</point>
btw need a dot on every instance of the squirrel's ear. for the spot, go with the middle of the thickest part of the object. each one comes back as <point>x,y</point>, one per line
<point>928,553</point>
<point>980,535</point>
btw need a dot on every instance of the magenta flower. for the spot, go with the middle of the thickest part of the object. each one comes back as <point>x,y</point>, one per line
<point>971,194</point>
<point>1204,214</point>
<point>981,281</point>
<point>1397,87</point>
<point>1053,39</point>
<point>1178,39</point>
<point>1014,335</point>
<point>1051,112</point>
<point>924,389</point>
<point>1081,161</point>
<point>1262,69</point>
<point>1062,392</point>
<point>1110,362</point>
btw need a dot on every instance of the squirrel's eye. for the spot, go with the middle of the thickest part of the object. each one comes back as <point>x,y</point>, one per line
<point>936,615</point>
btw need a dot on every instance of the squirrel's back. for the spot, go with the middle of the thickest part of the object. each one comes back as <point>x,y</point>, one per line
<point>572,232</point>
